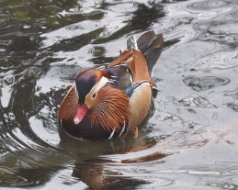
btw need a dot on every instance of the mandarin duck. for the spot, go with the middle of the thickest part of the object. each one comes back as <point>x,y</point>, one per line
<point>113,100</point>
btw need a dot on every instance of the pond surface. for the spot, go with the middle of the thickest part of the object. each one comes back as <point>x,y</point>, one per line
<point>189,143</point>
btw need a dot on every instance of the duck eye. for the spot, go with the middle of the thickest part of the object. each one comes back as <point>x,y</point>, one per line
<point>94,95</point>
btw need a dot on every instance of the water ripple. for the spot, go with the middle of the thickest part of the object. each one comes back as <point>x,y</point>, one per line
<point>43,45</point>
<point>208,5</point>
<point>204,83</point>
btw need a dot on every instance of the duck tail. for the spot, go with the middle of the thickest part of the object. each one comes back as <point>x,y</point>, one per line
<point>151,46</point>
<point>146,51</point>
<point>139,68</point>
<point>141,56</point>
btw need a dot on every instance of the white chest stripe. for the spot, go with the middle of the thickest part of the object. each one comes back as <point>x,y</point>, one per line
<point>111,135</point>
<point>123,128</point>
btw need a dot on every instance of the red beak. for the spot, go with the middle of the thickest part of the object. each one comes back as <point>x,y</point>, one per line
<point>80,113</point>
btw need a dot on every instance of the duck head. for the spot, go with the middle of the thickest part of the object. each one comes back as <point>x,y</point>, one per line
<point>88,83</point>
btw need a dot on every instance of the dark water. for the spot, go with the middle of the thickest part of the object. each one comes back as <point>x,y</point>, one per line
<point>190,142</point>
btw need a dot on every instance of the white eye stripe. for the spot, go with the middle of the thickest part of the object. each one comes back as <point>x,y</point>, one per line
<point>99,85</point>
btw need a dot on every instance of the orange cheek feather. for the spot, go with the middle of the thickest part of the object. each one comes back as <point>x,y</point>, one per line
<point>80,113</point>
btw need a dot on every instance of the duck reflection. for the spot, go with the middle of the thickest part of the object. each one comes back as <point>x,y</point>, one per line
<point>98,174</point>
<point>93,163</point>
<point>96,177</point>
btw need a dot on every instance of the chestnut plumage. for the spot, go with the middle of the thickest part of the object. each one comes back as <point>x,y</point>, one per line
<point>111,101</point>
<point>111,111</point>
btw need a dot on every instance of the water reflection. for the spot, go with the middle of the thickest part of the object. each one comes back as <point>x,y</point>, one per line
<point>96,177</point>
<point>152,12</point>
<point>44,44</point>
<point>29,166</point>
